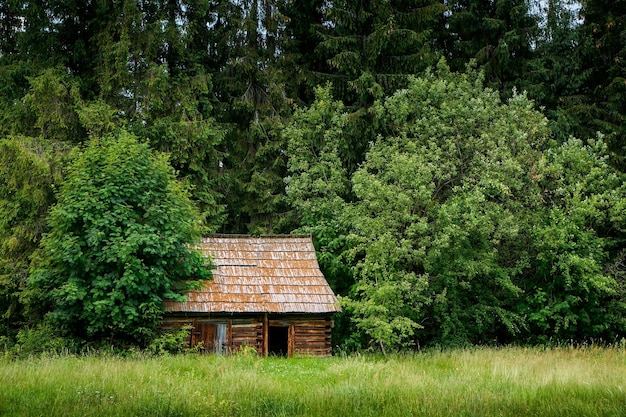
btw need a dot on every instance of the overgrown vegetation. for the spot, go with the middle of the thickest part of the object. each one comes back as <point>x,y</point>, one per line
<point>465,223</point>
<point>569,381</point>
<point>473,200</point>
<point>117,245</point>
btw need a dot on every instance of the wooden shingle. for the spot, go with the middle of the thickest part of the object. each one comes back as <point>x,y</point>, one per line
<point>266,274</point>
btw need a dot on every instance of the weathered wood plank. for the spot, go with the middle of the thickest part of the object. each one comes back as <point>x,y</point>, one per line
<point>320,330</point>
<point>311,346</point>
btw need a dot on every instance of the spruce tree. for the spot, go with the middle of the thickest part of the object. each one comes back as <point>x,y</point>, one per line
<point>556,74</point>
<point>257,89</point>
<point>29,171</point>
<point>497,34</point>
<point>604,26</point>
<point>371,45</point>
<point>370,48</point>
<point>152,71</point>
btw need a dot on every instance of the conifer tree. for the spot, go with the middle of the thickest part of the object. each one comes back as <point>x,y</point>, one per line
<point>577,73</point>
<point>29,172</point>
<point>556,75</point>
<point>604,26</point>
<point>370,48</point>
<point>257,91</point>
<point>152,71</point>
<point>10,24</point>
<point>497,34</point>
<point>371,43</point>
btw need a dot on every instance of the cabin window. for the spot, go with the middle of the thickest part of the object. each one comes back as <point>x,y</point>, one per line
<point>278,343</point>
<point>220,338</point>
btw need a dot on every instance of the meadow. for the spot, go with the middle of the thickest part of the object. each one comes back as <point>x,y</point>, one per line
<point>589,381</point>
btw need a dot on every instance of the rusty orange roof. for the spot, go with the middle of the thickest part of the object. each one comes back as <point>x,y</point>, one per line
<point>266,274</point>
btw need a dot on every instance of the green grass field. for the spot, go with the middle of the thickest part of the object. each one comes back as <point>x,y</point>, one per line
<point>477,382</point>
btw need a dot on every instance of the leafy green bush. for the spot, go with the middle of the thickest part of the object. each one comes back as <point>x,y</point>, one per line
<point>118,245</point>
<point>169,341</point>
<point>464,224</point>
<point>42,339</point>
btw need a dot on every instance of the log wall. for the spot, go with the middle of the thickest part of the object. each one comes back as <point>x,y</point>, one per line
<point>246,332</point>
<point>307,335</point>
<point>312,337</point>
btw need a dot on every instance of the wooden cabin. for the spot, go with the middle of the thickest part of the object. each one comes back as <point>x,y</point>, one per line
<point>267,293</point>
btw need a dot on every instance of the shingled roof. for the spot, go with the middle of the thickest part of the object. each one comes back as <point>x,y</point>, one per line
<point>266,274</point>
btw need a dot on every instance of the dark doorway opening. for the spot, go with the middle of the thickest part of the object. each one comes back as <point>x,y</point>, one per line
<point>279,341</point>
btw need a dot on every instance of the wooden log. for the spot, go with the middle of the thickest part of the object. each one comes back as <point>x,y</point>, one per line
<point>291,340</point>
<point>311,346</point>
<point>266,332</point>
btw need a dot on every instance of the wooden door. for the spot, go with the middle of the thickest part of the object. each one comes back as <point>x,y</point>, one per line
<point>203,333</point>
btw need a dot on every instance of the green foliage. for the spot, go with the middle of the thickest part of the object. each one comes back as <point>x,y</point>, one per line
<point>169,341</point>
<point>42,339</point>
<point>51,103</point>
<point>372,46</point>
<point>497,34</point>
<point>437,211</point>
<point>317,186</point>
<point>9,20</point>
<point>479,229</point>
<point>556,73</point>
<point>257,80</point>
<point>117,245</point>
<point>570,294</point>
<point>27,179</point>
<point>368,49</point>
<point>462,225</point>
<point>605,88</point>
<point>151,75</point>
<point>577,71</point>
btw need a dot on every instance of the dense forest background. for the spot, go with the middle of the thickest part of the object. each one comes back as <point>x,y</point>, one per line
<point>460,164</point>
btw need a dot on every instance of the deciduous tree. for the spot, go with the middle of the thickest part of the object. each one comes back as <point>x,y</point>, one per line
<point>117,245</point>
<point>437,216</point>
<point>464,224</point>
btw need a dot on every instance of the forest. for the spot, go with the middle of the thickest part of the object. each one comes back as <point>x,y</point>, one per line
<point>460,164</point>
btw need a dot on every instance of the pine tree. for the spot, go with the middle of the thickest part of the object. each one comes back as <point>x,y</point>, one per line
<point>604,26</point>
<point>370,48</point>
<point>497,34</point>
<point>257,88</point>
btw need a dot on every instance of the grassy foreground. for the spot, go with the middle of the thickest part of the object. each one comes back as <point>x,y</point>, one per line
<point>482,382</point>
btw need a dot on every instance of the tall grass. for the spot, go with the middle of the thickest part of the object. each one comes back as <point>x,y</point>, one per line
<point>481,382</point>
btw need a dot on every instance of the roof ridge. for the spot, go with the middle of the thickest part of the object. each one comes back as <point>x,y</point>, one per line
<point>248,236</point>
